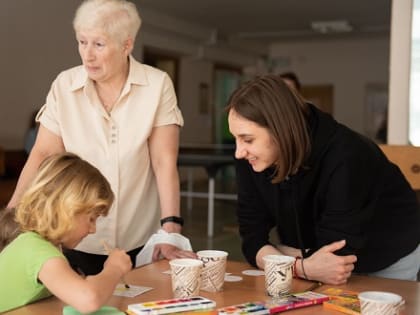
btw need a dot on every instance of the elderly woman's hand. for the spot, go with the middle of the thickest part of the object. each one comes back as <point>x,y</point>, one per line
<point>169,252</point>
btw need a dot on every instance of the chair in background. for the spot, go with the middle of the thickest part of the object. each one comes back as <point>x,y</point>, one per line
<point>407,158</point>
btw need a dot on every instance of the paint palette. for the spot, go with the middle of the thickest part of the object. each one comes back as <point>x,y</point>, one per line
<point>171,306</point>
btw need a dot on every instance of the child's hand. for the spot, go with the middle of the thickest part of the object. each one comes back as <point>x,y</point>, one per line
<point>118,260</point>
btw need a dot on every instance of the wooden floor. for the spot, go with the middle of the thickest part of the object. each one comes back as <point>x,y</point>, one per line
<point>226,233</point>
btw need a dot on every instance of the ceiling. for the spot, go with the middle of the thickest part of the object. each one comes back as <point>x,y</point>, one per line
<point>276,20</point>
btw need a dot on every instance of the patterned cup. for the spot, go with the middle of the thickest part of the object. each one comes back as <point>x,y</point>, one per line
<point>278,274</point>
<point>380,303</point>
<point>185,273</point>
<point>214,268</point>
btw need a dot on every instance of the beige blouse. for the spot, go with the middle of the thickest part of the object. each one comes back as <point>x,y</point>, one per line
<point>116,143</point>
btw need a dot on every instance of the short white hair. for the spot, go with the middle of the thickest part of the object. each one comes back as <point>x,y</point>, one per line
<point>119,19</point>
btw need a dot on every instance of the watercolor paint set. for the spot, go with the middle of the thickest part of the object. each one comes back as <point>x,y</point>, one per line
<point>201,305</point>
<point>171,306</point>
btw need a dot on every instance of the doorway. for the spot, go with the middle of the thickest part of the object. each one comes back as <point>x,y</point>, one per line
<point>321,96</point>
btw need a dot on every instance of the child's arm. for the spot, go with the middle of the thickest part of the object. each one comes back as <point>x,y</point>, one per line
<point>89,294</point>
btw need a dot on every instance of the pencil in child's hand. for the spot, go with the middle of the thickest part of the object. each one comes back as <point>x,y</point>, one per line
<point>108,250</point>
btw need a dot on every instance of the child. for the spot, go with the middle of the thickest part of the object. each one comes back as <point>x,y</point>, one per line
<point>60,208</point>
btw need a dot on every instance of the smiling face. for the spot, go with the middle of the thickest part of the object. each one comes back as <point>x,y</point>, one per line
<point>84,225</point>
<point>253,142</point>
<point>104,58</point>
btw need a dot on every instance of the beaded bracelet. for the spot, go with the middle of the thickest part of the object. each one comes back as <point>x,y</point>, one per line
<point>294,269</point>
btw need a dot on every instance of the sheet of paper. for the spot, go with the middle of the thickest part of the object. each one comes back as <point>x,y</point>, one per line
<point>253,272</point>
<point>133,291</point>
<point>230,278</point>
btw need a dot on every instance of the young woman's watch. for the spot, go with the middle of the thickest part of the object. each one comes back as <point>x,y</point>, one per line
<point>174,219</point>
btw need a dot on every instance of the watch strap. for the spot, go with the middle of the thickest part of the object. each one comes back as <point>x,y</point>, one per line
<point>174,219</point>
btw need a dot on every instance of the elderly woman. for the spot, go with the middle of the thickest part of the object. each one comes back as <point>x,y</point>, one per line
<point>335,200</point>
<point>122,117</point>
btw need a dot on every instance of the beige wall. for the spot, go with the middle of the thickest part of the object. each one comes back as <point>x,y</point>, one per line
<point>37,42</point>
<point>348,65</point>
<point>197,126</point>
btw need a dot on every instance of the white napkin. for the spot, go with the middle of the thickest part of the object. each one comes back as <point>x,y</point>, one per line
<point>161,237</point>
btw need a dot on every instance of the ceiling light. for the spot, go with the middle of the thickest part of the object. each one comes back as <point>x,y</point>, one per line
<point>337,26</point>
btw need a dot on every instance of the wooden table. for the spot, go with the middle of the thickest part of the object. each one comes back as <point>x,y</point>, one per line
<point>251,288</point>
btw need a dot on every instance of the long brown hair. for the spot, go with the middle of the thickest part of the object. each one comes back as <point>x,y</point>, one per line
<point>268,102</point>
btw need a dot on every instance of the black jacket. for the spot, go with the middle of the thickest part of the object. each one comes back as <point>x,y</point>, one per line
<point>346,190</point>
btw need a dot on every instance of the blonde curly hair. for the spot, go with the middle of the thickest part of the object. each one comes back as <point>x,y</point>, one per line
<point>64,187</point>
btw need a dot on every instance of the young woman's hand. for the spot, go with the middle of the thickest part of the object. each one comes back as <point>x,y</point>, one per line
<point>325,266</point>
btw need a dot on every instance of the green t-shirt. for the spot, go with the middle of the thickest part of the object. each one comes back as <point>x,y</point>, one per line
<point>20,263</point>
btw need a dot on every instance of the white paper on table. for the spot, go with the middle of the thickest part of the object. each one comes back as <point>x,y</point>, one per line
<point>254,272</point>
<point>132,291</point>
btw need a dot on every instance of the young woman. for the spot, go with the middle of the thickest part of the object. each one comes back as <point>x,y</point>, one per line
<point>58,210</point>
<point>334,199</point>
